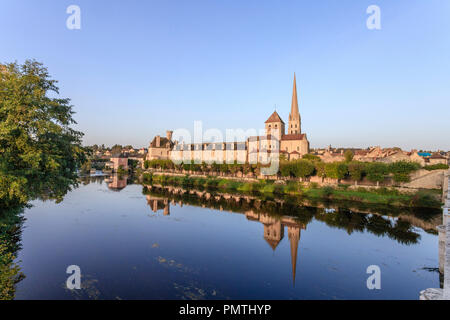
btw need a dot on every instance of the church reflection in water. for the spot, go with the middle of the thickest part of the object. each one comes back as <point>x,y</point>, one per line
<point>274,226</point>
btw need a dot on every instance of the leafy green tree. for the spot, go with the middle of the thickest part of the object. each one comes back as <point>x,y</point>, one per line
<point>86,167</point>
<point>285,168</point>
<point>302,168</point>
<point>336,170</point>
<point>401,170</point>
<point>116,149</point>
<point>348,155</point>
<point>356,170</point>
<point>376,171</point>
<point>320,169</point>
<point>39,151</point>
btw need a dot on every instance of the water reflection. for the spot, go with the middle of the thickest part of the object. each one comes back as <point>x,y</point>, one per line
<point>399,225</point>
<point>117,182</point>
<point>177,249</point>
<point>278,214</point>
<point>11,222</point>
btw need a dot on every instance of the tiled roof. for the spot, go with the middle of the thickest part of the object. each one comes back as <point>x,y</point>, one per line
<point>299,136</point>
<point>274,118</point>
<point>437,156</point>
<point>268,137</point>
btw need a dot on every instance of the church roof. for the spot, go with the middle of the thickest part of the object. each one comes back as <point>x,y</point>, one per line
<point>274,118</point>
<point>298,136</point>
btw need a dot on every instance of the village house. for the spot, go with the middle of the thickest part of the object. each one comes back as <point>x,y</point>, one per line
<point>142,151</point>
<point>118,162</point>
<point>437,159</point>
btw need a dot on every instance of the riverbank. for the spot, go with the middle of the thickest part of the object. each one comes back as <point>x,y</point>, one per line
<point>380,195</point>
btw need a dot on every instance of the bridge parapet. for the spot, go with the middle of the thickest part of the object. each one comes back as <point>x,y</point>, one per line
<point>444,248</point>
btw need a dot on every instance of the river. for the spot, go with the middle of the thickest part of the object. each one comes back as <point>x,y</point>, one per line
<point>134,242</point>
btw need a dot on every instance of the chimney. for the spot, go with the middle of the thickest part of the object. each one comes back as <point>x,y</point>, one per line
<point>169,135</point>
<point>158,141</point>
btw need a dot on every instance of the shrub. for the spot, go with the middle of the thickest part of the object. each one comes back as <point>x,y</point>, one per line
<point>278,189</point>
<point>292,187</point>
<point>401,177</point>
<point>402,169</point>
<point>436,166</point>
<point>313,185</point>
<point>424,199</point>
<point>311,157</point>
<point>257,186</point>
<point>327,191</point>
<point>147,178</point>
<point>212,183</point>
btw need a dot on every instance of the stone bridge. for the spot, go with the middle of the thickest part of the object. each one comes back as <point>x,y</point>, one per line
<point>444,248</point>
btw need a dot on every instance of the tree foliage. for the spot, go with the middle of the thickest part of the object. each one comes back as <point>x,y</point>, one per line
<point>348,155</point>
<point>39,151</point>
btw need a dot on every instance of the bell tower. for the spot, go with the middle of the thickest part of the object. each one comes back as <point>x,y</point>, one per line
<point>294,126</point>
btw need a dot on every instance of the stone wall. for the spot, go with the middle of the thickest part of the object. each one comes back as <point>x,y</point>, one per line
<point>424,179</point>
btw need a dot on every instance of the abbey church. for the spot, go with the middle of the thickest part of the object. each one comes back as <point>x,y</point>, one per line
<point>291,144</point>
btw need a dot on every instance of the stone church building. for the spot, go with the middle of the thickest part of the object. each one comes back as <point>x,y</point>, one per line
<point>291,144</point>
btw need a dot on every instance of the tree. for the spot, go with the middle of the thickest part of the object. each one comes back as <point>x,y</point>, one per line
<point>336,170</point>
<point>355,169</point>
<point>320,169</point>
<point>401,170</point>
<point>39,151</point>
<point>348,155</point>
<point>376,171</point>
<point>116,149</point>
<point>286,168</point>
<point>303,168</point>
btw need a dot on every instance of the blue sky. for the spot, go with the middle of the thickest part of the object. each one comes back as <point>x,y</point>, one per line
<point>138,68</point>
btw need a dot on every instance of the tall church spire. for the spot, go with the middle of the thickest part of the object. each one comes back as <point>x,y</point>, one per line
<point>294,104</point>
<point>294,115</point>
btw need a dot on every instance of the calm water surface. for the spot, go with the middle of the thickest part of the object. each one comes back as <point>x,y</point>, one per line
<point>131,245</point>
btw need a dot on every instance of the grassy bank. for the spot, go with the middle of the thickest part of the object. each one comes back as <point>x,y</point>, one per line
<point>386,196</point>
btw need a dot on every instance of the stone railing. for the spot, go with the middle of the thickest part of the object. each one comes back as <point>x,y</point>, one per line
<point>444,248</point>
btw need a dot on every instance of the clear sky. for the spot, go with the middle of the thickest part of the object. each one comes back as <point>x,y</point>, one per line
<point>138,68</point>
